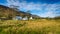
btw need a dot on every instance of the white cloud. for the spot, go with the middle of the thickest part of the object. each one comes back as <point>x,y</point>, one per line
<point>50,9</point>
<point>13,2</point>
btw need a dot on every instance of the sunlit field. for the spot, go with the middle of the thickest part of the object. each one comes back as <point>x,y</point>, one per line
<point>39,26</point>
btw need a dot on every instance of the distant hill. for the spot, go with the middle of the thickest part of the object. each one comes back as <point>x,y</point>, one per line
<point>6,11</point>
<point>57,17</point>
<point>10,12</point>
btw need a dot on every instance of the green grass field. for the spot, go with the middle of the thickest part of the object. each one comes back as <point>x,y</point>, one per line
<point>40,26</point>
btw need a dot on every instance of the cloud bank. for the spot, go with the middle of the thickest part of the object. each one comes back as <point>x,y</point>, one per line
<point>42,9</point>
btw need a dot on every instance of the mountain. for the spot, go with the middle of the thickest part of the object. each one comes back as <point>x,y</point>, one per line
<point>36,16</point>
<point>57,17</point>
<point>7,10</point>
<point>11,12</point>
<point>4,10</point>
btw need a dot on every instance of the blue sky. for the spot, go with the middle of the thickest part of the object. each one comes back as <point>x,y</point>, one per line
<point>42,8</point>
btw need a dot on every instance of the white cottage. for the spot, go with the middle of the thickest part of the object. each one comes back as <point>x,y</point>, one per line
<point>25,18</point>
<point>31,18</point>
<point>20,18</point>
<point>17,18</point>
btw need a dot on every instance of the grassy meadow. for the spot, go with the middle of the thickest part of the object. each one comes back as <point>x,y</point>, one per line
<point>39,26</point>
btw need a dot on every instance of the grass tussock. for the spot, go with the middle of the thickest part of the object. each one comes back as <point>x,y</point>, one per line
<point>41,26</point>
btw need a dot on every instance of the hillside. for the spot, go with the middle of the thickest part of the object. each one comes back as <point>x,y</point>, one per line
<point>10,12</point>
